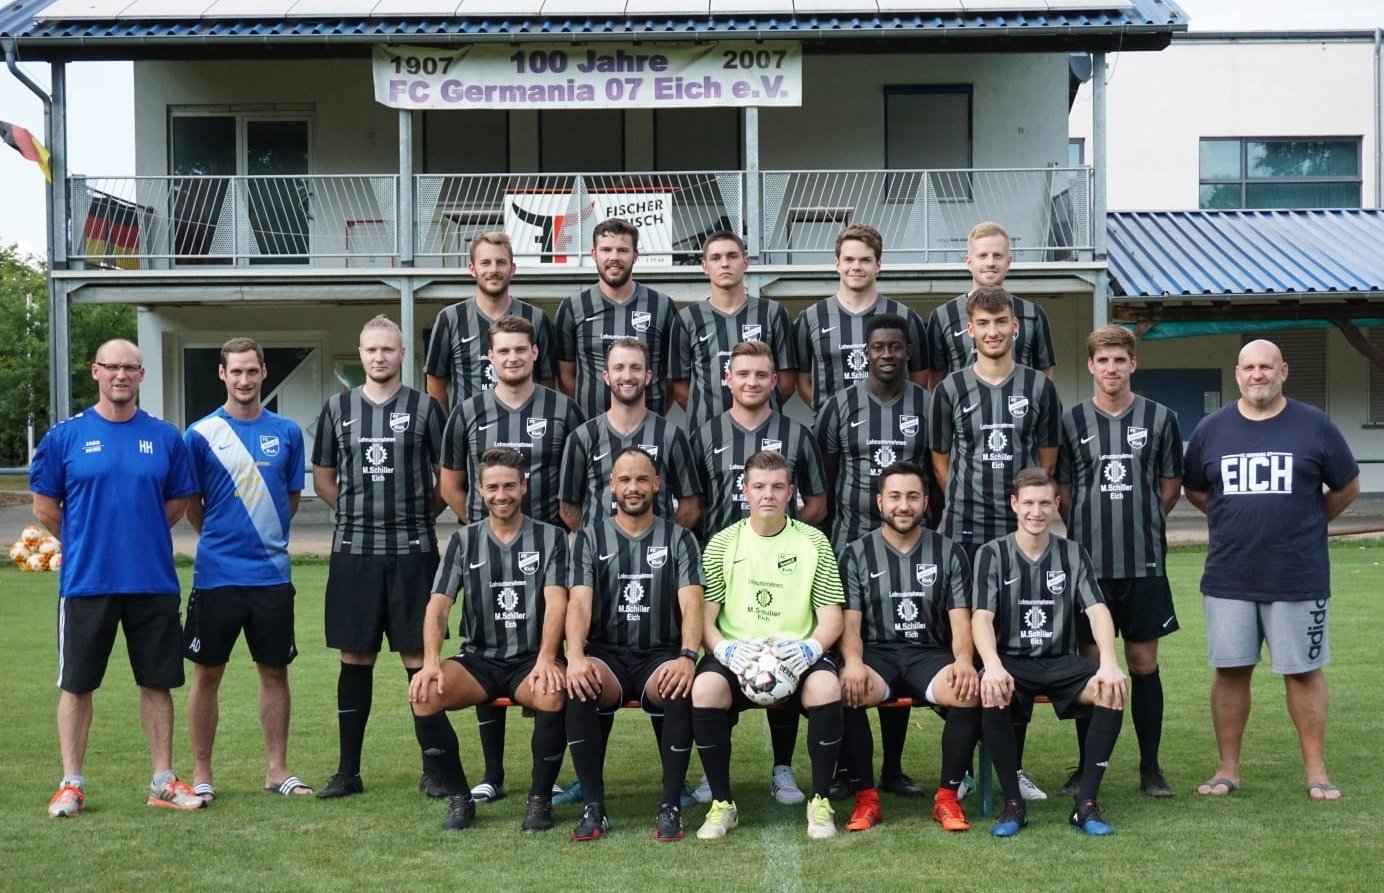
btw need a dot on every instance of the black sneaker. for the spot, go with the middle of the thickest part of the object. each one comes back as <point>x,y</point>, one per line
<point>1087,819</point>
<point>538,813</point>
<point>840,787</point>
<point>1013,817</point>
<point>341,785</point>
<point>431,787</point>
<point>1072,784</point>
<point>593,823</point>
<point>461,812</point>
<point>1154,784</point>
<point>668,823</point>
<point>900,784</point>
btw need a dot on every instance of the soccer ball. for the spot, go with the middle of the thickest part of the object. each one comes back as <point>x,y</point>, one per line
<point>47,546</point>
<point>55,561</point>
<point>19,553</point>
<point>35,563</point>
<point>30,535</point>
<point>768,681</point>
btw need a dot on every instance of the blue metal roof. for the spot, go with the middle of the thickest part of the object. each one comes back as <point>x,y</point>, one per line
<point>17,19</point>
<point>1194,254</point>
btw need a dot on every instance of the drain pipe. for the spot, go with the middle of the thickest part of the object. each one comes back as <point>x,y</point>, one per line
<point>1378,125</point>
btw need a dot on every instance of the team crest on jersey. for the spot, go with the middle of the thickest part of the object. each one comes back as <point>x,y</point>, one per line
<point>640,320</point>
<point>528,563</point>
<point>398,422</point>
<point>1137,437</point>
<point>1057,581</point>
<point>536,428</point>
<point>657,556</point>
<point>908,425</point>
<point>1018,406</point>
<point>787,564</point>
<point>926,573</point>
<point>269,444</point>
<point>751,331</point>
<point>771,444</point>
<point>651,449</point>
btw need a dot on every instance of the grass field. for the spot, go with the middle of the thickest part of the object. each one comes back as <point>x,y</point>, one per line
<point>1267,837</point>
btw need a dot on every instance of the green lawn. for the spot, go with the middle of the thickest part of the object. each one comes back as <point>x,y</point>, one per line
<point>1268,837</point>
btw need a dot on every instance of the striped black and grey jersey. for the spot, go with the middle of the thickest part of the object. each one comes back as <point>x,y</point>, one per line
<point>990,432</point>
<point>537,429</point>
<point>501,585</point>
<point>719,450</point>
<point>866,435</point>
<point>590,454</point>
<point>384,455</point>
<point>1115,465</point>
<point>951,348</point>
<point>457,348</point>
<point>703,338</point>
<point>635,581</point>
<point>905,596</point>
<point>586,324</point>
<point>1035,603</point>
<point>831,344</point>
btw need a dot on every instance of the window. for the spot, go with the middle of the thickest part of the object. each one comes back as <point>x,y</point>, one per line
<point>697,139</point>
<point>1304,350</point>
<point>1280,173</point>
<point>1375,412</point>
<point>929,127</point>
<point>1076,151</point>
<point>469,142</point>
<point>581,141</point>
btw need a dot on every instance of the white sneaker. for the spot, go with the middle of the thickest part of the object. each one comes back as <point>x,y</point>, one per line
<point>719,820</point>
<point>1028,788</point>
<point>820,822</point>
<point>702,794</point>
<point>784,786</point>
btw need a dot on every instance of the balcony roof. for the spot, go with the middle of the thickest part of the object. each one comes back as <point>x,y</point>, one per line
<point>134,29</point>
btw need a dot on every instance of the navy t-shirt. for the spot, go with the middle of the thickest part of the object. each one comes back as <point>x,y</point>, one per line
<point>1265,508</point>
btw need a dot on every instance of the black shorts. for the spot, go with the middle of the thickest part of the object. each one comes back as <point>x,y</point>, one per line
<point>153,639</point>
<point>632,669</point>
<point>829,663</point>
<point>1142,608</point>
<point>215,618</point>
<point>1061,678</point>
<point>370,596</point>
<point>500,677</point>
<point>907,669</point>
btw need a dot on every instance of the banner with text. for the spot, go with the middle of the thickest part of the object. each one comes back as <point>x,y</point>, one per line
<point>556,223</point>
<point>561,76</point>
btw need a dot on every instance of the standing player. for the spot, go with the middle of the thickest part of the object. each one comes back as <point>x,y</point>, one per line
<point>111,480</point>
<point>375,463</point>
<point>950,343</point>
<point>1029,588</point>
<point>705,333</point>
<point>831,333</point>
<point>617,307</point>
<point>589,455</point>
<point>511,574</point>
<point>458,364</point>
<point>1119,475</point>
<point>1257,468</point>
<point>908,633</point>
<point>771,582</point>
<point>248,463</point>
<point>634,623</point>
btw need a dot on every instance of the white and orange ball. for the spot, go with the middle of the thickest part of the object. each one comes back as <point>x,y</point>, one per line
<point>48,546</point>
<point>31,535</point>
<point>19,553</point>
<point>55,561</point>
<point>35,563</point>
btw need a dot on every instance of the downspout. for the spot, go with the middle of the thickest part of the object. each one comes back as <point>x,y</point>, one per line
<point>1378,124</point>
<point>1100,299</point>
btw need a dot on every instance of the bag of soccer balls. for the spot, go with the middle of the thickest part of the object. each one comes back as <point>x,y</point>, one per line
<point>36,550</point>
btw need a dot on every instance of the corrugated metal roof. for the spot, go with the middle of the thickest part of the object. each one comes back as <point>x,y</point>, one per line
<point>18,18</point>
<point>1191,254</point>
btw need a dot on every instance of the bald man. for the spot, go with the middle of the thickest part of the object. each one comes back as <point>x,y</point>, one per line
<point>1257,468</point>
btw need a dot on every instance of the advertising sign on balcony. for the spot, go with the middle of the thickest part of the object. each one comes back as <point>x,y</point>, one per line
<point>563,76</point>
<point>556,224</point>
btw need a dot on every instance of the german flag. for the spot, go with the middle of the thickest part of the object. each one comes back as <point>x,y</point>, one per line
<point>23,142</point>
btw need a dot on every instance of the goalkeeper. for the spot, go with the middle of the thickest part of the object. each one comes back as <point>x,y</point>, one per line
<point>771,583</point>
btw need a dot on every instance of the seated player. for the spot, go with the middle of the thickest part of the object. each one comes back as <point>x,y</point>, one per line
<point>771,581</point>
<point>908,633</point>
<point>1029,588</point>
<point>511,574</point>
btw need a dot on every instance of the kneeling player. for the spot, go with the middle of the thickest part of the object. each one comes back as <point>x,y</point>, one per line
<point>512,574</point>
<point>769,579</point>
<point>1029,588</point>
<point>908,633</point>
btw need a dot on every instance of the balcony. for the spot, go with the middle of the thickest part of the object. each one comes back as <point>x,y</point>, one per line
<point>335,222</point>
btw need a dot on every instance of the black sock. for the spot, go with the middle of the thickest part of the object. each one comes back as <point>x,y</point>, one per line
<point>355,691</point>
<point>674,731</point>
<point>656,723</point>
<point>490,725</point>
<point>1100,744</point>
<point>1146,710</point>
<point>607,719</point>
<point>1020,739</point>
<point>587,748</point>
<point>858,748</point>
<point>783,734</point>
<point>825,729</point>
<point>548,744</point>
<point>959,735</point>
<point>893,732</point>
<point>1083,728</point>
<point>441,753</point>
<point>997,727</point>
<point>711,731</point>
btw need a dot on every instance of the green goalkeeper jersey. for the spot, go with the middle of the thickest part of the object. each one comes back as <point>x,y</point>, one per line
<point>769,587</point>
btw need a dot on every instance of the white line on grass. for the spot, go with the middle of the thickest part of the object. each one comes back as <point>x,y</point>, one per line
<point>782,862</point>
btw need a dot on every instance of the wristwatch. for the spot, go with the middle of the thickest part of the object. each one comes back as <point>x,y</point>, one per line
<point>689,654</point>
